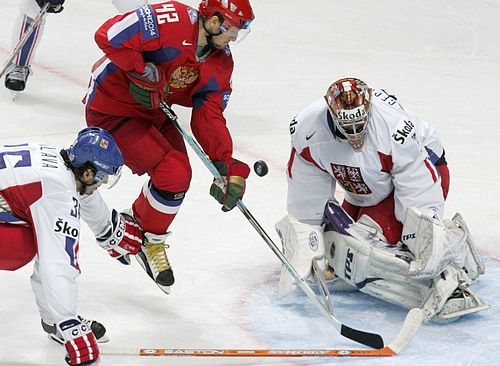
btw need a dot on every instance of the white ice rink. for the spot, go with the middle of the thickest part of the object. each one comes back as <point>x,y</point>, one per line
<point>441,57</point>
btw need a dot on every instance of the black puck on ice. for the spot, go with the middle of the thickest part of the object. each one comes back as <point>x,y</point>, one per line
<point>260,168</point>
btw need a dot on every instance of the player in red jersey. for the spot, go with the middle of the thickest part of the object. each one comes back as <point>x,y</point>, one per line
<point>174,53</point>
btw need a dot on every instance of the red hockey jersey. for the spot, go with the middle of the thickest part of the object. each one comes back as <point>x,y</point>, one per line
<point>165,34</point>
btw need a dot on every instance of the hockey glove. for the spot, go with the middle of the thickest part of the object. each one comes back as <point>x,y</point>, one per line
<point>55,5</point>
<point>232,186</point>
<point>149,88</point>
<point>122,237</point>
<point>81,345</point>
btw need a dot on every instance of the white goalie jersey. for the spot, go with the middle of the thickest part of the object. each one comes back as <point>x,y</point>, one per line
<point>399,153</point>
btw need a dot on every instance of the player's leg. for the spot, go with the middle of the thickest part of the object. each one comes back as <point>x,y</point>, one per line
<point>382,213</point>
<point>364,261</point>
<point>159,151</point>
<point>17,246</point>
<point>17,77</point>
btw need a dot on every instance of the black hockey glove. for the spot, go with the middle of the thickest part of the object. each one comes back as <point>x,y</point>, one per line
<point>56,6</point>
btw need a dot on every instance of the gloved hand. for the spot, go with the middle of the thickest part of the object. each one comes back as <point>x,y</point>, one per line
<point>55,5</point>
<point>232,186</point>
<point>149,88</point>
<point>81,345</point>
<point>122,237</point>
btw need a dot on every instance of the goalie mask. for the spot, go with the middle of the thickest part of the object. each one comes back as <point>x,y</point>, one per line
<point>348,100</point>
<point>96,148</point>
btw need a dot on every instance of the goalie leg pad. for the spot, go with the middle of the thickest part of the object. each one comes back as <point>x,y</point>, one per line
<point>375,268</point>
<point>301,243</point>
<point>472,263</point>
<point>433,245</point>
<point>382,271</point>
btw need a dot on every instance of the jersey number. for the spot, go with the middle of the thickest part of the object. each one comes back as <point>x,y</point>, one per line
<point>167,14</point>
<point>23,156</point>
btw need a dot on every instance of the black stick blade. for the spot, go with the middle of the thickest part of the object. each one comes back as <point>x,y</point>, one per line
<point>368,339</point>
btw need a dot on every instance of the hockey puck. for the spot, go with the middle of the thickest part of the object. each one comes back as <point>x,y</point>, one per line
<point>260,168</point>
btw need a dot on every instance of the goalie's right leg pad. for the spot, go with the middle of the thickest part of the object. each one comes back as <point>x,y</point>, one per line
<point>382,271</point>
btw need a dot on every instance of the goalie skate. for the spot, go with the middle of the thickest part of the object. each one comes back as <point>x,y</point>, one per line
<point>153,258</point>
<point>97,328</point>
<point>463,301</point>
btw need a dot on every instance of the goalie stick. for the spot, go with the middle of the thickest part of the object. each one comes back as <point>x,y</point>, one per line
<point>368,339</point>
<point>38,19</point>
<point>412,323</point>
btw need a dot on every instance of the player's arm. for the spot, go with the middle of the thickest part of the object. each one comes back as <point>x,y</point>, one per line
<point>122,40</point>
<point>118,233</point>
<point>209,127</point>
<point>416,180</point>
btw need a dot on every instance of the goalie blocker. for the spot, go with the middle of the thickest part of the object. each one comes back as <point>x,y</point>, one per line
<point>434,276</point>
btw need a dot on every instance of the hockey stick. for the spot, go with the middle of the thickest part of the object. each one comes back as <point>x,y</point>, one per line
<point>412,323</point>
<point>368,339</point>
<point>36,22</point>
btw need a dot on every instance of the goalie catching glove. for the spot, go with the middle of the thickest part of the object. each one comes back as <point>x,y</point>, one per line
<point>231,187</point>
<point>149,88</point>
<point>122,237</point>
<point>81,345</point>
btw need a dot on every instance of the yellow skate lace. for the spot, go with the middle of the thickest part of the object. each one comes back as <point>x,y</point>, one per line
<point>156,254</point>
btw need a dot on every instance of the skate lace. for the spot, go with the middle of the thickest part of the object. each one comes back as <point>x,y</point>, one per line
<point>19,73</point>
<point>157,255</point>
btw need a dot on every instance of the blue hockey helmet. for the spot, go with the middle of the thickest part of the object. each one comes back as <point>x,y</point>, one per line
<point>97,147</point>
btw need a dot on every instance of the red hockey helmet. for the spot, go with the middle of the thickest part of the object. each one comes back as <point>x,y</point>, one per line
<point>349,102</point>
<point>236,13</point>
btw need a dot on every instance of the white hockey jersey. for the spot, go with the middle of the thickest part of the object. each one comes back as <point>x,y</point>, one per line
<point>41,191</point>
<point>398,155</point>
